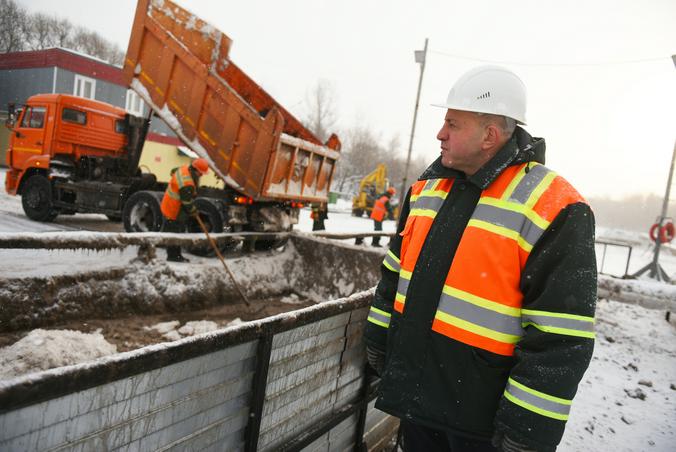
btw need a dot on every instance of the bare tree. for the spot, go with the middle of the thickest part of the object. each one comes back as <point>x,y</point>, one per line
<point>22,31</point>
<point>62,32</point>
<point>41,31</point>
<point>320,105</point>
<point>12,27</point>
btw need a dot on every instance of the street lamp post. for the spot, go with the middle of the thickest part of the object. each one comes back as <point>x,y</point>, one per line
<point>420,57</point>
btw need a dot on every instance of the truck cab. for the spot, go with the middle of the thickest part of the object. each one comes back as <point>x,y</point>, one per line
<point>59,144</point>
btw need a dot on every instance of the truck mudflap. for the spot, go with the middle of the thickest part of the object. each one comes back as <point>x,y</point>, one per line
<point>286,382</point>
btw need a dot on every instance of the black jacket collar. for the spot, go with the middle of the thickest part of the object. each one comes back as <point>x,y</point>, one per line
<point>520,148</point>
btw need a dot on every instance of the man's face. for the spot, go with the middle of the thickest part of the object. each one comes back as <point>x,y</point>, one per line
<point>461,139</point>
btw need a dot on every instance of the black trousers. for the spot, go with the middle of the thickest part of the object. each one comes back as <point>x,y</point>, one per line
<point>377,226</point>
<point>423,439</point>
<point>174,226</point>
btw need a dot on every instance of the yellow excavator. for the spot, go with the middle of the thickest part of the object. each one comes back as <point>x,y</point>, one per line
<point>371,186</point>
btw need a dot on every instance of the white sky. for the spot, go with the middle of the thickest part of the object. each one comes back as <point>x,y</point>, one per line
<point>609,127</point>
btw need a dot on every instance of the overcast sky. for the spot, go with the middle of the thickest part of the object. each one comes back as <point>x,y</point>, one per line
<point>601,83</point>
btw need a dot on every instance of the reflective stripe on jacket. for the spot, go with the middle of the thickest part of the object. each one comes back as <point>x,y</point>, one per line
<point>380,208</point>
<point>171,202</point>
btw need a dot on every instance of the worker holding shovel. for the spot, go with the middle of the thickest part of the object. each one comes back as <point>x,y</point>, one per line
<point>178,201</point>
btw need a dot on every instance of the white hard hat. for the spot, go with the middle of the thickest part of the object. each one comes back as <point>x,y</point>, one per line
<point>489,89</point>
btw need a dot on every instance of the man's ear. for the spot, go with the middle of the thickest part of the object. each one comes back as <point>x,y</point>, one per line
<point>491,136</point>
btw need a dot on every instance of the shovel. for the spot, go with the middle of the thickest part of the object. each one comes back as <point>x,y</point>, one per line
<point>220,256</point>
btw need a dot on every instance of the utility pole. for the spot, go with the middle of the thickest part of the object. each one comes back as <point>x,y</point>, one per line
<point>420,57</point>
<point>656,270</point>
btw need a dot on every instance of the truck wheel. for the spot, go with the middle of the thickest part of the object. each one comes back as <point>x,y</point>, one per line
<point>36,199</point>
<point>210,214</point>
<point>142,212</point>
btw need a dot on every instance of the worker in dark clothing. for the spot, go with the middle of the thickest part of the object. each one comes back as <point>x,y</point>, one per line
<point>482,324</point>
<point>320,212</point>
<point>178,201</point>
<point>381,209</point>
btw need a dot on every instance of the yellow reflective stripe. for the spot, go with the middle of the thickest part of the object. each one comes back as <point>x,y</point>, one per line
<point>542,186</point>
<point>482,302</point>
<point>476,329</point>
<point>533,408</point>
<point>378,322</point>
<point>542,395</point>
<point>400,298</point>
<point>393,256</point>
<point>422,213</point>
<point>518,208</point>
<point>566,323</point>
<point>559,330</point>
<point>581,318</point>
<point>434,194</point>
<point>380,311</point>
<point>405,274</point>
<point>503,232</point>
<point>513,184</point>
<point>388,266</point>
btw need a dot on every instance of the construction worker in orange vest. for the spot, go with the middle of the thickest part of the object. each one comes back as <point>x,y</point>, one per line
<point>381,210</point>
<point>482,324</point>
<point>320,212</point>
<point>178,201</point>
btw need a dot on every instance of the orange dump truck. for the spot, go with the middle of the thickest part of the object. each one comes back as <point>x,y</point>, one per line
<point>180,66</point>
<point>69,154</point>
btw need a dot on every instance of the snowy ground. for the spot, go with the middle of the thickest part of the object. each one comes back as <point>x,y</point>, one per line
<point>626,401</point>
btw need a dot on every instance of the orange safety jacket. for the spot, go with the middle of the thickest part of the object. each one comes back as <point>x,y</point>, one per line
<point>481,302</point>
<point>171,202</point>
<point>380,208</point>
<point>485,309</point>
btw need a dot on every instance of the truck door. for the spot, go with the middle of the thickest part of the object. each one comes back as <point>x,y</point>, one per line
<point>29,135</point>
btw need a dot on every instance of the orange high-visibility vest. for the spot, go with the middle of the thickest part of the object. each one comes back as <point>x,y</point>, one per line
<point>171,202</point>
<point>379,209</point>
<point>480,304</point>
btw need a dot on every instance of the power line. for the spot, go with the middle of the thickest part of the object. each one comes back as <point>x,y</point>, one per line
<point>521,63</point>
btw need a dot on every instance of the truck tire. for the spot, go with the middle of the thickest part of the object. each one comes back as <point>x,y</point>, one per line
<point>142,212</point>
<point>36,199</point>
<point>210,213</point>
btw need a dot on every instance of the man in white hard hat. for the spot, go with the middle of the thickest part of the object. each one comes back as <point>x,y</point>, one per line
<point>482,324</point>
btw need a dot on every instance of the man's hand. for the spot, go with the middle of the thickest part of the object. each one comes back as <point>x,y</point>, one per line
<point>192,211</point>
<point>376,359</point>
<point>505,444</point>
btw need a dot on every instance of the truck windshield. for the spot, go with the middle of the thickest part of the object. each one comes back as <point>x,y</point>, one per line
<point>34,118</point>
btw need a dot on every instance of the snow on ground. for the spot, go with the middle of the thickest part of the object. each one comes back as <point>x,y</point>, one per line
<point>47,349</point>
<point>626,400</point>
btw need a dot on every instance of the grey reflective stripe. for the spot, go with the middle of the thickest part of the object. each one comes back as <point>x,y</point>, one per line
<point>529,182</point>
<point>559,322</point>
<point>537,401</point>
<point>509,219</point>
<point>379,317</point>
<point>429,202</point>
<point>402,286</point>
<point>392,262</point>
<point>477,315</point>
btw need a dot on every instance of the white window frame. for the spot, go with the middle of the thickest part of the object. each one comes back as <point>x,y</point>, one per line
<point>134,104</point>
<point>79,86</point>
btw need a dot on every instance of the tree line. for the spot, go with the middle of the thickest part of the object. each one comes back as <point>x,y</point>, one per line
<point>21,31</point>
